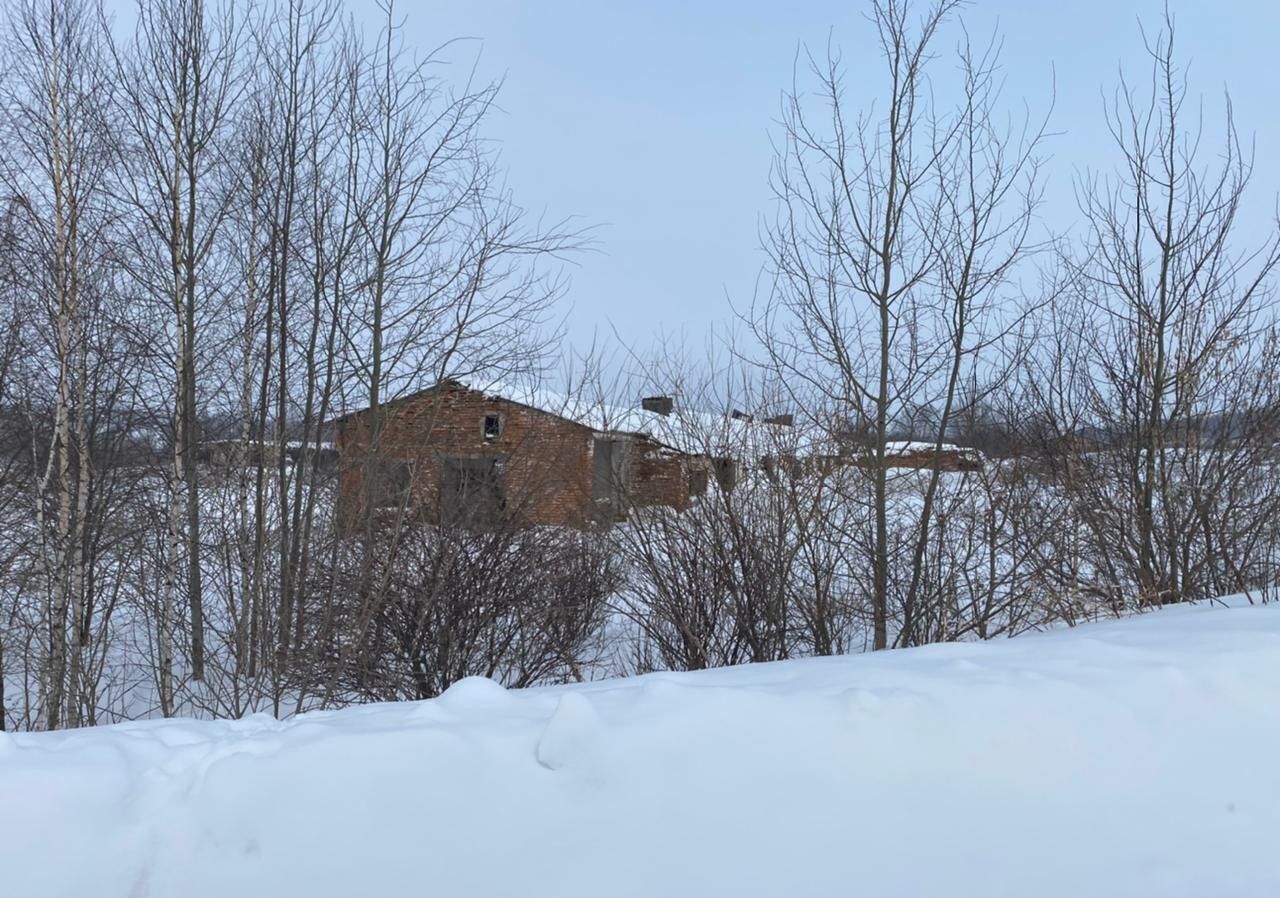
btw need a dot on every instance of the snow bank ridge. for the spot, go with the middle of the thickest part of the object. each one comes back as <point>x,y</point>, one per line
<point>1134,758</point>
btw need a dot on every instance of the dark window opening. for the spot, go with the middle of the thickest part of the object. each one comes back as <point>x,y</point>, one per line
<point>492,427</point>
<point>608,470</point>
<point>698,482</point>
<point>391,483</point>
<point>726,470</point>
<point>472,489</point>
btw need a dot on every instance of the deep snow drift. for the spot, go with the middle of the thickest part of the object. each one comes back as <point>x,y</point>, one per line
<point>1132,758</point>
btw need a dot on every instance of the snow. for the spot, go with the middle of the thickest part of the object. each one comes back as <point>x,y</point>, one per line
<point>1131,758</point>
<point>687,429</point>
<point>907,447</point>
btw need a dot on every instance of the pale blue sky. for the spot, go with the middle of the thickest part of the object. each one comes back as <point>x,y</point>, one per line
<point>652,119</point>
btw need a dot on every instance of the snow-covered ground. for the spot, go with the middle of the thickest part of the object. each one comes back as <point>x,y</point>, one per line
<point>1134,758</point>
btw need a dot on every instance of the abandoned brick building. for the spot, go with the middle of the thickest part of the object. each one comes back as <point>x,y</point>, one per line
<point>452,453</point>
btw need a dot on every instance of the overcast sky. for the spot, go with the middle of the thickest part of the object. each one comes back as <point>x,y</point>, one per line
<point>652,120</point>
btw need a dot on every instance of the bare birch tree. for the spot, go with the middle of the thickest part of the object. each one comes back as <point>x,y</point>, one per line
<point>178,81</point>
<point>56,86</point>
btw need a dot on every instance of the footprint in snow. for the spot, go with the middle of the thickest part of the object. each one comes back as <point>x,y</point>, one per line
<point>573,724</point>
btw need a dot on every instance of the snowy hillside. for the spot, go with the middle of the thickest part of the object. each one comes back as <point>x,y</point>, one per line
<point>1133,758</point>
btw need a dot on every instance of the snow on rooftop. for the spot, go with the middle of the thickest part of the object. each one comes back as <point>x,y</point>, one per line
<point>907,447</point>
<point>693,430</point>
<point>1132,758</point>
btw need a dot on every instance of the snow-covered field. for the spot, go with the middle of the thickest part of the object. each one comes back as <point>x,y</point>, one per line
<point>1134,758</point>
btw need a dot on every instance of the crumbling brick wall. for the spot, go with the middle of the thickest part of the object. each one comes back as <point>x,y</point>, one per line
<point>658,476</point>
<point>544,460</point>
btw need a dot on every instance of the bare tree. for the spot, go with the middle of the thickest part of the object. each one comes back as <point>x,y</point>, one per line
<point>895,234</point>
<point>59,141</point>
<point>1165,407</point>
<point>448,277</point>
<point>979,224</point>
<point>178,83</point>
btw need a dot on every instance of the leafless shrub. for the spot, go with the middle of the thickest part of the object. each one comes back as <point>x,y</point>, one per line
<point>521,606</point>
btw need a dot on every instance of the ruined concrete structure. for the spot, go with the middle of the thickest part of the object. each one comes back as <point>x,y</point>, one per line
<point>452,453</point>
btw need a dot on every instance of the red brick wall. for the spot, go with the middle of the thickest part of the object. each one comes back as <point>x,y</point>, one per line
<point>546,459</point>
<point>657,476</point>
